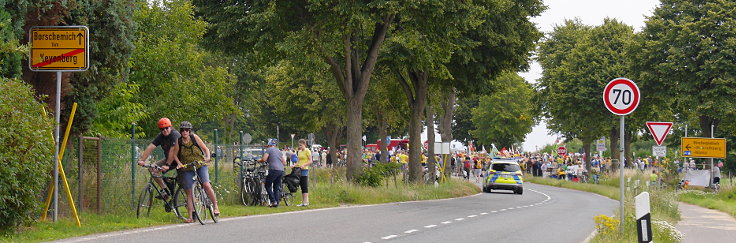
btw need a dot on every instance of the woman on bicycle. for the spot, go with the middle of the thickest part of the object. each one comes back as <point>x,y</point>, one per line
<point>304,160</point>
<point>191,149</point>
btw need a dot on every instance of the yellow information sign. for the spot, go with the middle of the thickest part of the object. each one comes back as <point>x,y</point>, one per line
<point>704,147</point>
<point>59,48</point>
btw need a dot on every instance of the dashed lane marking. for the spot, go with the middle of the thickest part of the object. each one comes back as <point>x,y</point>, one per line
<point>430,226</point>
<point>483,213</point>
<point>410,231</point>
<point>447,222</point>
<point>389,237</point>
<point>460,219</point>
<point>472,216</point>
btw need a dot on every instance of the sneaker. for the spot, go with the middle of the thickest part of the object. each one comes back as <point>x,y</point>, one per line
<point>303,205</point>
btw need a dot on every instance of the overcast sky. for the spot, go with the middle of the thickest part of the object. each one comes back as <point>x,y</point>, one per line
<point>590,12</point>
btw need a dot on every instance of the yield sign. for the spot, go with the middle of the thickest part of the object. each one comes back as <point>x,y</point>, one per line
<point>659,130</point>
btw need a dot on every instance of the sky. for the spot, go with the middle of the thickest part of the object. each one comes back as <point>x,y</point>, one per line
<point>590,12</point>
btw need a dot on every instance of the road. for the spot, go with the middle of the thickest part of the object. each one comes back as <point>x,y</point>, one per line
<point>541,214</point>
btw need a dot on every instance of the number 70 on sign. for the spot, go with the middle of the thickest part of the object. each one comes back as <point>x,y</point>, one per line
<point>621,96</point>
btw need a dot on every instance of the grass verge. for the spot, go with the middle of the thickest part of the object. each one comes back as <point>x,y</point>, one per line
<point>322,195</point>
<point>663,205</point>
<point>725,201</point>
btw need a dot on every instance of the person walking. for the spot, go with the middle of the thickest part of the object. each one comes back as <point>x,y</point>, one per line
<point>303,162</point>
<point>276,161</point>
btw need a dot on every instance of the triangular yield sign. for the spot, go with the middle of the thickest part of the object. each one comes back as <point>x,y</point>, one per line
<point>659,130</point>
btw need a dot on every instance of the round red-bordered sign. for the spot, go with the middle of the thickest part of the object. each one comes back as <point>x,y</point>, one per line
<point>621,96</point>
<point>561,151</point>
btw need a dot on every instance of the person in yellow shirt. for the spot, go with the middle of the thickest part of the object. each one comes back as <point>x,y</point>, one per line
<point>305,159</point>
<point>560,173</point>
<point>424,160</point>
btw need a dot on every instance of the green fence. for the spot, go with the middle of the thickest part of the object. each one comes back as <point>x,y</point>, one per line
<point>121,179</point>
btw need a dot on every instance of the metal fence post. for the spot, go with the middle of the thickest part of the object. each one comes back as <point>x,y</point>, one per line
<point>241,156</point>
<point>217,160</point>
<point>132,165</point>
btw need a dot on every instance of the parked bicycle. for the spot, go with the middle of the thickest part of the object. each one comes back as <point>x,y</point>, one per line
<point>145,199</point>
<point>252,188</point>
<point>201,201</point>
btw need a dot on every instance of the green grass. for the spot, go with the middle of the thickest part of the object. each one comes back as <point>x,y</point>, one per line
<point>325,194</point>
<point>725,201</point>
<point>663,205</point>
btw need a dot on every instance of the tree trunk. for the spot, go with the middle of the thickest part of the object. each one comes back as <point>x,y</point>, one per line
<point>430,144</point>
<point>586,150</point>
<point>332,132</point>
<point>705,123</point>
<point>614,147</point>
<point>355,138</point>
<point>417,97</point>
<point>448,106</point>
<point>353,77</point>
<point>627,148</point>
<point>382,134</point>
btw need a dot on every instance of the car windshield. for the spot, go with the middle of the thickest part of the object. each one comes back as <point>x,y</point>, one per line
<point>505,167</point>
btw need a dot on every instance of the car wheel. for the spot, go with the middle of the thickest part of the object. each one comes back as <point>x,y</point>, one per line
<point>520,191</point>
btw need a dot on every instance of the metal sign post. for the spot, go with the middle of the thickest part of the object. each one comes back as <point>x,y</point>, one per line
<point>58,49</point>
<point>621,97</point>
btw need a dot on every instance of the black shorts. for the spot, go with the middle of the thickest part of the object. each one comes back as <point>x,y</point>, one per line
<point>716,180</point>
<point>304,184</point>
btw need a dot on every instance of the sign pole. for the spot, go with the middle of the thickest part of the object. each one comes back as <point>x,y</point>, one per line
<point>621,174</point>
<point>56,148</point>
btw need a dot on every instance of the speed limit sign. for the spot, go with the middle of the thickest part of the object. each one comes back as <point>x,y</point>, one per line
<point>621,96</point>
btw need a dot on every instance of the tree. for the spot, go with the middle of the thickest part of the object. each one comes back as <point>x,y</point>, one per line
<point>505,116</point>
<point>346,35</point>
<point>171,70</point>
<point>688,47</point>
<point>578,62</point>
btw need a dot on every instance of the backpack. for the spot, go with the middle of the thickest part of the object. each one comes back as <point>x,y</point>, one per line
<point>292,179</point>
<point>467,163</point>
<point>194,142</point>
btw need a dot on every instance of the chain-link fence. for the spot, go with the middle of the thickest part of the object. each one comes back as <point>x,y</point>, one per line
<point>120,179</point>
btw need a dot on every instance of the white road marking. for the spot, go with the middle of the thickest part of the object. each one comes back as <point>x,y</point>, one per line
<point>494,211</point>
<point>430,226</point>
<point>410,231</point>
<point>472,216</point>
<point>460,219</point>
<point>484,213</point>
<point>502,210</point>
<point>447,222</point>
<point>510,208</point>
<point>389,237</point>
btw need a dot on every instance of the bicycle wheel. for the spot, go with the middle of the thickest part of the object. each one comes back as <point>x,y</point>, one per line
<point>179,202</point>
<point>286,195</point>
<point>247,194</point>
<point>211,209</point>
<point>199,206</point>
<point>145,202</point>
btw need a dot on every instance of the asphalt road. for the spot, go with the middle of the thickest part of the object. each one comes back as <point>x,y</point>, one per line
<point>541,214</point>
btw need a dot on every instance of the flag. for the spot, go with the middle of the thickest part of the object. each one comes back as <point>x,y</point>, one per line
<point>364,138</point>
<point>557,141</point>
<point>484,148</point>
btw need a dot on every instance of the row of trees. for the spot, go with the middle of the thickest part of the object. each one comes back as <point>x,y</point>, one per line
<point>331,66</point>
<point>684,62</point>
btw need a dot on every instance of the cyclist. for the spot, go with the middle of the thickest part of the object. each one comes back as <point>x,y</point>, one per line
<point>166,139</point>
<point>303,156</point>
<point>190,148</point>
<point>276,161</point>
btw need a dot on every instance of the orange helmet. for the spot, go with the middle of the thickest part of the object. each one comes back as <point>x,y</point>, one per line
<point>164,123</point>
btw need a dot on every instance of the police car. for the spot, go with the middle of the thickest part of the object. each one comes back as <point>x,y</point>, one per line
<point>504,174</point>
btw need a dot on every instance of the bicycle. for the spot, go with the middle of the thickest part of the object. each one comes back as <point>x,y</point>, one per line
<point>252,188</point>
<point>200,200</point>
<point>145,199</point>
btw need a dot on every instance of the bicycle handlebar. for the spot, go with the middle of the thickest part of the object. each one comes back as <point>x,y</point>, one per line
<point>152,166</point>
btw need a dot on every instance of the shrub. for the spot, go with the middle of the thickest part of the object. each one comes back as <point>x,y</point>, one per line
<point>373,176</point>
<point>25,155</point>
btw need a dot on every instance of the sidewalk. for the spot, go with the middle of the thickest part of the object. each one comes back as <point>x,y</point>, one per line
<point>705,225</point>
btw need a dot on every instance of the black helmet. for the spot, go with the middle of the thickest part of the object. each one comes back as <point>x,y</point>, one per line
<point>185,125</point>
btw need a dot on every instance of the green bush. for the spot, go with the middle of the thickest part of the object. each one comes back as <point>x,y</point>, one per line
<point>373,176</point>
<point>25,155</point>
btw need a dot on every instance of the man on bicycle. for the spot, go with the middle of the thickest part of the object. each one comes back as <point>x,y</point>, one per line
<point>276,161</point>
<point>166,139</point>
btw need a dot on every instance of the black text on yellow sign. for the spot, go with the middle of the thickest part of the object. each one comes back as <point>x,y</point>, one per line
<point>703,147</point>
<point>59,48</point>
